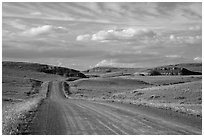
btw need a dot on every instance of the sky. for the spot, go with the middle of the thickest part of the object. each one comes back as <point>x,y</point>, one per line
<point>117,34</point>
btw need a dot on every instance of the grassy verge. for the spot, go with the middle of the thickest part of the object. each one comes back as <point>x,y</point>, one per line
<point>15,115</point>
<point>178,94</point>
<point>66,89</point>
<point>189,109</point>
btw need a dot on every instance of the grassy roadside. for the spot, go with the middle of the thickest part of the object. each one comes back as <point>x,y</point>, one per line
<point>65,89</point>
<point>178,94</point>
<point>189,109</point>
<point>15,116</point>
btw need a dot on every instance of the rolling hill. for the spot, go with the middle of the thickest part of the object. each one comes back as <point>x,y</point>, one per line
<point>66,72</point>
<point>176,69</point>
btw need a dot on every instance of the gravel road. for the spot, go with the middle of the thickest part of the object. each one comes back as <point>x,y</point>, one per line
<point>59,115</point>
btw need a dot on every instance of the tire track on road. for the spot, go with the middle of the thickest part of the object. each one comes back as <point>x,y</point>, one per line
<point>109,118</point>
<point>123,122</point>
<point>152,125</point>
<point>59,115</point>
<point>94,119</point>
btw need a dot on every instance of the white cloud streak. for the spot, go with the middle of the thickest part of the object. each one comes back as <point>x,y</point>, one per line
<point>18,24</point>
<point>34,31</point>
<point>197,59</point>
<point>185,39</point>
<point>173,56</point>
<point>105,63</point>
<point>83,37</point>
<point>113,63</point>
<point>37,30</point>
<point>119,34</point>
<point>194,28</point>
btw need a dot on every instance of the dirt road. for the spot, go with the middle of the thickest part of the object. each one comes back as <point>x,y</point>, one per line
<point>59,115</point>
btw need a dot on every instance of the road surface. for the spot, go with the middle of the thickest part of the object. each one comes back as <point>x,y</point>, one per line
<point>59,115</point>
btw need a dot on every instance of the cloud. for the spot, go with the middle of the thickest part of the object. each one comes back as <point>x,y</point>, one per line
<point>106,63</point>
<point>83,37</point>
<point>194,28</point>
<point>59,64</point>
<point>109,12</point>
<point>34,31</point>
<point>197,59</point>
<point>36,13</point>
<point>172,37</point>
<point>37,30</point>
<point>173,56</point>
<point>122,34</point>
<point>113,63</point>
<point>16,23</point>
<point>149,27</point>
<point>192,39</point>
<point>119,34</point>
<point>52,52</point>
<point>185,39</point>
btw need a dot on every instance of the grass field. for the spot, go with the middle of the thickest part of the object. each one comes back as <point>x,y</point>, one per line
<point>104,87</point>
<point>22,92</point>
<point>179,93</point>
<point>18,85</point>
<point>165,80</point>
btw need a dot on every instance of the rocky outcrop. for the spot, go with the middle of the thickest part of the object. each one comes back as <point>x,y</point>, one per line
<point>175,71</point>
<point>172,70</point>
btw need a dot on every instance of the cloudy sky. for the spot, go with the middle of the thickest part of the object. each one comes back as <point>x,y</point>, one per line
<point>84,35</point>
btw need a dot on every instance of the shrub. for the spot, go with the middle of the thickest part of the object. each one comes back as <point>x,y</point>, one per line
<point>154,73</point>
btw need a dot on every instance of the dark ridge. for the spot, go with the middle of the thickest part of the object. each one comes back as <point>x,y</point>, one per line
<point>66,72</point>
<point>112,69</point>
<point>176,69</point>
<point>171,70</point>
<point>195,67</point>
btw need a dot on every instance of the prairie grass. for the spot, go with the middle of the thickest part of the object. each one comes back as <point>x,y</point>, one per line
<point>180,94</point>
<point>15,113</point>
